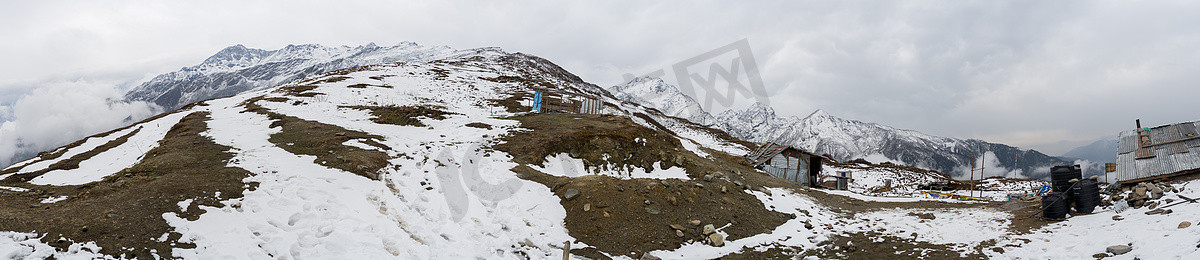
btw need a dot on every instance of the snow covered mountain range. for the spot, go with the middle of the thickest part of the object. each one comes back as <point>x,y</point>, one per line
<point>237,69</point>
<point>846,139</point>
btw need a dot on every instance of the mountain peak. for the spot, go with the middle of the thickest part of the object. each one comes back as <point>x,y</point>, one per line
<point>819,114</point>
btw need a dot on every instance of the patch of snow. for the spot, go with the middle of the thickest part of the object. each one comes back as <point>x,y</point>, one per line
<point>16,189</point>
<point>563,165</point>
<point>90,144</point>
<point>1151,236</point>
<point>49,200</point>
<point>183,205</point>
<point>116,159</point>
<point>17,245</point>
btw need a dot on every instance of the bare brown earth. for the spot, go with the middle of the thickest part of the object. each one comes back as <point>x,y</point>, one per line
<point>123,213</point>
<point>325,141</point>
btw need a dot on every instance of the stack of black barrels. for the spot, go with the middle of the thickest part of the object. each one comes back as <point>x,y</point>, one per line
<point>1083,193</point>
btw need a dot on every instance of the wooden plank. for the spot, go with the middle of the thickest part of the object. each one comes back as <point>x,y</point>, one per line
<point>1177,148</point>
<point>1145,152</point>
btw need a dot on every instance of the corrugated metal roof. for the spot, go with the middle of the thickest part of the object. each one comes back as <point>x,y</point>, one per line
<point>1173,152</point>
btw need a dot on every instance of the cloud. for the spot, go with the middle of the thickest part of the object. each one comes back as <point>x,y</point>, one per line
<point>58,113</point>
<point>991,167</point>
<point>1024,73</point>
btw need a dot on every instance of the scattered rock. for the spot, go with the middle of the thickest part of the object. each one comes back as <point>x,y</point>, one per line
<point>765,190</point>
<point>1155,212</point>
<point>709,229</point>
<point>570,194</point>
<point>926,215</point>
<point>527,243</point>
<point>653,211</point>
<point>1155,192</point>
<point>648,256</point>
<point>694,222</point>
<point>1117,217</point>
<point>716,239</point>
<point>1119,249</point>
<point>672,200</point>
<point>606,214</point>
<point>1152,205</point>
<point>647,202</point>
<point>1168,201</point>
<point>1167,212</point>
<point>810,226</point>
<point>724,190</point>
<point>1185,224</point>
<point>739,183</point>
<point>709,177</point>
<point>587,207</point>
<point>679,233</point>
<point>698,185</point>
<point>676,227</point>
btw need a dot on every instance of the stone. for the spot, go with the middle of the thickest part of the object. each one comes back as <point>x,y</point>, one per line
<point>809,225</point>
<point>648,256</point>
<point>679,233</point>
<point>587,207</point>
<point>698,185</point>
<point>1152,205</point>
<point>1168,201</point>
<point>1185,224</point>
<point>653,211</point>
<point>1118,217</point>
<point>1119,249</point>
<point>709,229</point>
<point>724,190</point>
<point>694,222</point>
<point>647,202</point>
<point>739,183</point>
<point>672,200</point>
<point>709,177</point>
<point>1155,212</point>
<point>716,239</point>
<point>765,190</point>
<point>676,227</point>
<point>606,214</point>
<point>570,194</point>
<point>1167,212</point>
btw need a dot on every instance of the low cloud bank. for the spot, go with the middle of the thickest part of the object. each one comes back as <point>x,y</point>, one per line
<point>58,113</point>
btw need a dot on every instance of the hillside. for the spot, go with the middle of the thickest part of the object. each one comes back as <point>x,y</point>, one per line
<point>443,160</point>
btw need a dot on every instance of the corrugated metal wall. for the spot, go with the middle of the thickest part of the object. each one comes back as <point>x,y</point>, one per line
<point>790,168</point>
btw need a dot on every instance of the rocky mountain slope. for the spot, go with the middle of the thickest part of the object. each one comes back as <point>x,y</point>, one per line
<point>237,69</point>
<point>1100,151</point>
<point>845,139</point>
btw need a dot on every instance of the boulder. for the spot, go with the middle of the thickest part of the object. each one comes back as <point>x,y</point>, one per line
<point>676,226</point>
<point>716,239</point>
<point>1117,217</point>
<point>1152,205</point>
<point>1119,249</point>
<point>709,229</point>
<point>1155,192</point>
<point>1155,212</point>
<point>1185,224</point>
<point>570,194</point>
<point>678,233</point>
<point>694,222</point>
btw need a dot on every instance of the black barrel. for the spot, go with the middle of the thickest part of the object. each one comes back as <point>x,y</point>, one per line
<point>1060,179</point>
<point>1054,206</point>
<point>1086,195</point>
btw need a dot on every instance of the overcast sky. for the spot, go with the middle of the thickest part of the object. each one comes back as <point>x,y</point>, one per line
<point>1048,75</point>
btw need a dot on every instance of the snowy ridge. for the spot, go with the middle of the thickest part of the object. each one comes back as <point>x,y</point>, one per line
<point>237,68</point>
<point>841,138</point>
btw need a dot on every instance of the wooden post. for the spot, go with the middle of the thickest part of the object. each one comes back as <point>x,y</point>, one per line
<point>982,165</point>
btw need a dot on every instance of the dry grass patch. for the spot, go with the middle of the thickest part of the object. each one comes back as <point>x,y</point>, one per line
<point>326,142</point>
<point>404,115</point>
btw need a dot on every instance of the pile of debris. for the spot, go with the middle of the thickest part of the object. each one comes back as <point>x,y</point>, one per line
<point>1147,194</point>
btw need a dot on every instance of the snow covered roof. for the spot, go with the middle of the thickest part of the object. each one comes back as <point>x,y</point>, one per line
<point>1158,152</point>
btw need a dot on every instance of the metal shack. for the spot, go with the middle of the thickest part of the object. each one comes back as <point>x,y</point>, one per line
<point>790,163</point>
<point>1159,152</point>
